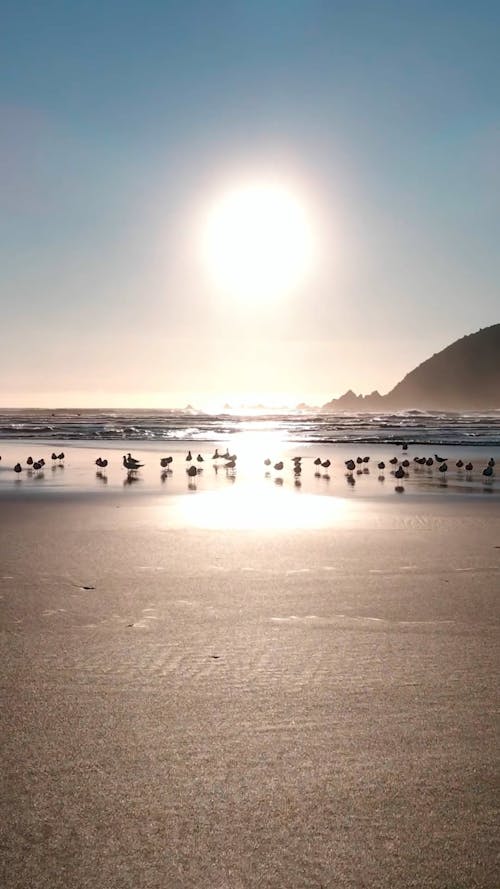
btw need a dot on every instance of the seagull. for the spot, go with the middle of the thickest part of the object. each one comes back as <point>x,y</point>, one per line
<point>131,459</point>
<point>131,464</point>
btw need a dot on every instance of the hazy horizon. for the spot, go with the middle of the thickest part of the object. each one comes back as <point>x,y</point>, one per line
<point>268,202</point>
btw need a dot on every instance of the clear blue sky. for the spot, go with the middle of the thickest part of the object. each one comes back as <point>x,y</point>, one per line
<point>116,117</point>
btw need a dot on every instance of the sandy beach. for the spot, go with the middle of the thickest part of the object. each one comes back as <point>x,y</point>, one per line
<point>300,705</point>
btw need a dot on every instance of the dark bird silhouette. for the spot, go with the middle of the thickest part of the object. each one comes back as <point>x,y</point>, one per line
<point>405,463</point>
<point>488,472</point>
<point>29,461</point>
<point>381,465</point>
<point>60,456</point>
<point>429,461</point>
<point>350,465</point>
<point>400,473</point>
<point>131,460</point>
<point>101,463</point>
<point>189,457</point>
<point>54,456</point>
<point>359,460</point>
<point>131,465</point>
<point>18,468</point>
<point>326,464</point>
<point>440,459</point>
<point>469,467</point>
<point>317,461</point>
<point>191,471</point>
<point>393,460</point>
<point>216,454</point>
<point>366,459</point>
<point>267,462</point>
<point>443,468</point>
<point>459,464</point>
<point>491,462</point>
<point>200,458</point>
<point>279,466</point>
<point>165,462</point>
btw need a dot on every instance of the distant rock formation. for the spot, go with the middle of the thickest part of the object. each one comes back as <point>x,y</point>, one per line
<point>465,375</point>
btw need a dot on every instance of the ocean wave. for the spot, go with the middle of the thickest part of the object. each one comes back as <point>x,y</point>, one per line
<point>414,427</point>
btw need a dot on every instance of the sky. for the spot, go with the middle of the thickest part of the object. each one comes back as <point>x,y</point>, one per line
<point>123,125</point>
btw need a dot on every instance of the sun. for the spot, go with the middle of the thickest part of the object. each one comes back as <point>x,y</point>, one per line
<point>258,242</point>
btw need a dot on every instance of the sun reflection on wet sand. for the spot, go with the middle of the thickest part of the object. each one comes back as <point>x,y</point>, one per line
<point>261,509</point>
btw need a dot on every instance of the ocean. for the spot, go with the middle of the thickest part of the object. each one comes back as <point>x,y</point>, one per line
<point>414,427</point>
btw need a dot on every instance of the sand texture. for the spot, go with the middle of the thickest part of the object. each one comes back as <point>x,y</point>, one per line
<point>217,709</point>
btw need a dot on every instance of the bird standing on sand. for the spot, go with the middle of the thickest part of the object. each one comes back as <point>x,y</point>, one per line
<point>440,459</point>
<point>165,462</point>
<point>400,473</point>
<point>191,471</point>
<point>216,454</point>
<point>200,458</point>
<point>130,464</point>
<point>326,464</point>
<point>488,472</point>
<point>381,465</point>
<point>189,457</point>
<point>267,461</point>
<point>18,468</point>
<point>279,466</point>
<point>444,469</point>
<point>350,465</point>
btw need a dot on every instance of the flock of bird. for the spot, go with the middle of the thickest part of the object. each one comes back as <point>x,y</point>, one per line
<point>228,461</point>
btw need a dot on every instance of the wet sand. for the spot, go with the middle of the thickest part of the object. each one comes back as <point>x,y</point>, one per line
<point>186,705</point>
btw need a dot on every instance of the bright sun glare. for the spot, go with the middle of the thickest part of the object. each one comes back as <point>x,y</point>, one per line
<point>258,242</point>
